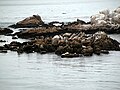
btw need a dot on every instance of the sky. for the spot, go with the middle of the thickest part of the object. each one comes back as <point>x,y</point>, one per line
<point>10,2</point>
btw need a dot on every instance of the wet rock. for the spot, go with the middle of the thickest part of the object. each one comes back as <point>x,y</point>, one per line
<point>13,46</point>
<point>60,50</point>
<point>15,43</point>
<point>69,55</point>
<point>41,31</point>
<point>105,51</point>
<point>2,41</point>
<point>14,37</point>
<point>49,47</point>
<point>97,50</point>
<point>87,51</point>
<point>3,51</point>
<point>28,49</point>
<point>43,52</point>
<point>33,21</point>
<point>4,31</point>
<point>1,47</point>
<point>78,22</point>
<point>7,46</point>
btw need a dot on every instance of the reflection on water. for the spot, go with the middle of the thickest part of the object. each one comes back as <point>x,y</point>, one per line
<point>50,72</point>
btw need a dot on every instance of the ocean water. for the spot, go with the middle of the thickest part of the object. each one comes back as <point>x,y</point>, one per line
<point>12,11</point>
<point>48,71</point>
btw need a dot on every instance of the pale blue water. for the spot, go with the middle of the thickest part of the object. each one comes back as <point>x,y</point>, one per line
<point>49,71</point>
<point>12,11</point>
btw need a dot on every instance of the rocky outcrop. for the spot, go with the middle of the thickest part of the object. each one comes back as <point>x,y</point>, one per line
<point>106,17</point>
<point>30,22</point>
<point>68,45</point>
<point>91,29</point>
<point>5,31</point>
<point>38,32</point>
<point>70,39</point>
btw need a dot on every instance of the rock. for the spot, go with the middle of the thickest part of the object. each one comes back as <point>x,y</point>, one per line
<point>28,48</point>
<point>9,34</point>
<point>105,12</point>
<point>14,37</point>
<point>81,21</point>
<point>33,21</point>
<point>97,50</point>
<point>43,52</point>
<point>3,51</point>
<point>67,35</point>
<point>41,31</point>
<point>2,41</point>
<point>60,50</point>
<point>105,51</point>
<point>13,46</point>
<point>86,42</point>
<point>49,48</point>
<point>4,31</point>
<point>117,10</point>
<point>116,19</point>
<point>69,55</point>
<point>87,51</point>
<point>15,43</point>
<point>7,46</point>
<point>1,47</point>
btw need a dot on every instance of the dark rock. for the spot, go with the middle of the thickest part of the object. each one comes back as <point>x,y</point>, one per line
<point>1,47</point>
<point>13,46</point>
<point>97,50</point>
<point>105,51</point>
<point>28,48</point>
<point>81,21</point>
<point>87,51</point>
<point>43,52</point>
<point>4,31</point>
<point>2,41</point>
<point>7,46</point>
<point>15,43</point>
<point>60,50</point>
<point>14,37</point>
<point>49,47</point>
<point>9,34</point>
<point>3,51</point>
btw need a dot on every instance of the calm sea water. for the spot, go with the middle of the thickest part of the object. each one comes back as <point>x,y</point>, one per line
<point>49,71</point>
<point>12,11</point>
